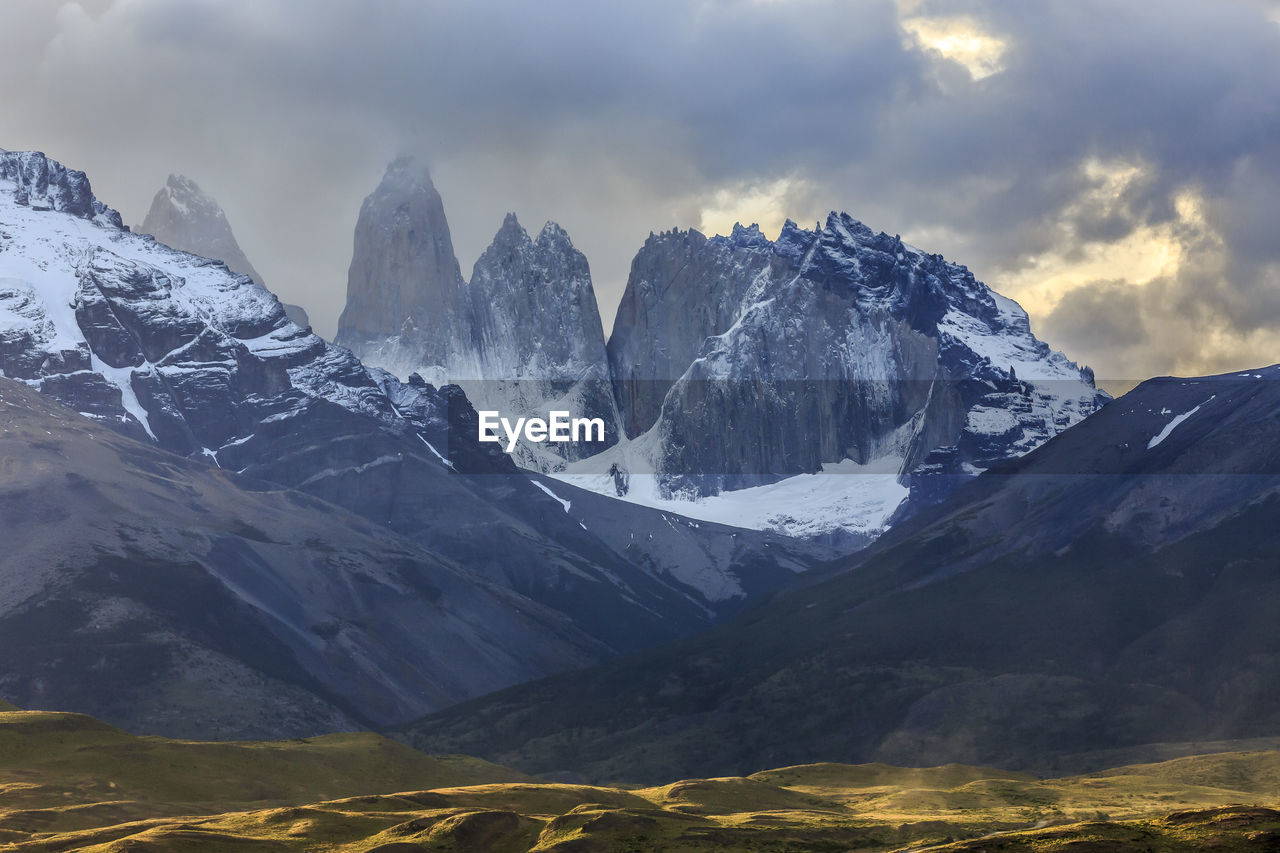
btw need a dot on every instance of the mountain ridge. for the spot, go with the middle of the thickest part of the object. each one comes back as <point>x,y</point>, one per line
<point>1105,591</point>
<point>735,362</point>
<point>175,351</point>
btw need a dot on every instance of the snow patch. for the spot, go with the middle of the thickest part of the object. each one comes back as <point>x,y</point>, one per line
<point>843,496</point>
<point>1173,424</point>
<point>564,503</point>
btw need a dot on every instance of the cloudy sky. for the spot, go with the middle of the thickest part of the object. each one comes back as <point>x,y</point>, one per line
<point>1112,164</point>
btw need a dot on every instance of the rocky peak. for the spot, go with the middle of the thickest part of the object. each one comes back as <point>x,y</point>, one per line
<point>185,217</point>
<point>683,288</point>
<point>536,316</point>
<point>405,281</point>
<point>409,172</point>
<point>552,235</point>
<point>45,184</point>
<point>511,236</point>
<point>184,194</point>
<point>757,360</point>
<point>523,334</point>
<point>749,236</point>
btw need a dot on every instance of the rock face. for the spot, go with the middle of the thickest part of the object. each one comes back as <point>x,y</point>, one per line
<point>539,340</point>
<point>185,217</point>
<point>407,303</point>
<point>683,289</point>
<point>747,361</point>
<point>523,337</point>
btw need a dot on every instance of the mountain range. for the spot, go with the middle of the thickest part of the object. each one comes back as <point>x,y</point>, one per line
<point>863,376</point>
<point>181,356</point>
<point>914,533</point>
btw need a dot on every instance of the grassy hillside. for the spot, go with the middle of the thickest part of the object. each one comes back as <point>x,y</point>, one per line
<point>66,772</point>
<point>68,782</point>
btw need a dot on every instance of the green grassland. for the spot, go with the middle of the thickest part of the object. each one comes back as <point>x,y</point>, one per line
<point>71,783</point>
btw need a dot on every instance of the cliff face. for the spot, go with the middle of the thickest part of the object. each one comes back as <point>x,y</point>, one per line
<point>745,361</point>
<point>539,340</point>
<point>407,303</point>
<point>683,289</point>
<point>522,337</point>
<point>734,362</point>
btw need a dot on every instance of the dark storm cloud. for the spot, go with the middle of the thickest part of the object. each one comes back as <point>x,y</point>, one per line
<point>620,118</point>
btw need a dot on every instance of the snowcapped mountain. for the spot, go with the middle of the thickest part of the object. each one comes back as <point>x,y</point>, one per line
<point>841,355</point>
<point>122,328</point>
<point>175,350</point>
<point>185,217</point>
<point>523,337</point>
<point>819,385</point>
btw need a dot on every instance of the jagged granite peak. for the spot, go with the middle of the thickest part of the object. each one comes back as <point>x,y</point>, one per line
<point>683,288</point>
<point>538,338</point>
<point>739,361</point>
<point>187,218</point>
<point>520,283</point>
<point>406,298</point>
<point>524,336</point>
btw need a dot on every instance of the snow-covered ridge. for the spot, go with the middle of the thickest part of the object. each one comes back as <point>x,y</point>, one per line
<point>43,184</point>
<point>167,345</point>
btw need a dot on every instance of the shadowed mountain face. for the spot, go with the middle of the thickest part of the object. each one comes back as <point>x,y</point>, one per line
<point>1114,588</point>
<point>744,360</point>
<point>172,597</point>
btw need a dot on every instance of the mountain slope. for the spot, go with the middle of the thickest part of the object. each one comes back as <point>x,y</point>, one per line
<point>171,597</point>
<point>1115,587</point>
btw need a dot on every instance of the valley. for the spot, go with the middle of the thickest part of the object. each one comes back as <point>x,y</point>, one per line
<point>68,782</point>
